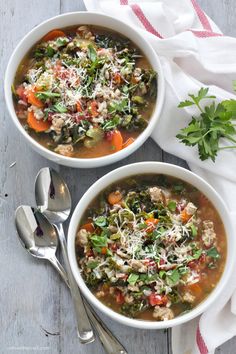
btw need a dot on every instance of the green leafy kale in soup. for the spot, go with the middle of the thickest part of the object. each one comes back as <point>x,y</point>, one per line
<point>151,247</point>
<point>85,92</point>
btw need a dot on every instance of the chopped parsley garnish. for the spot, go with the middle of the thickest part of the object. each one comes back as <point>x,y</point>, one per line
<point>132,279</point>
<point>100,221</point>
<point>213,253</point>
<point>171,205</point>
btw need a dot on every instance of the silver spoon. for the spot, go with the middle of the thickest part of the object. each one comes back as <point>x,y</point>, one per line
<point>38,236</point>
<point>42,245</point>
<point>54,201</point>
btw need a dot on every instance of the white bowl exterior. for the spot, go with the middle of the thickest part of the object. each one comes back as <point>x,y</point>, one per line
<point>156,168</point>
<point>77,18</point>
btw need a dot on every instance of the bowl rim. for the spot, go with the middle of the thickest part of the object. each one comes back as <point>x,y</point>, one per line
<point>175,171</point>
<point>97,161</point>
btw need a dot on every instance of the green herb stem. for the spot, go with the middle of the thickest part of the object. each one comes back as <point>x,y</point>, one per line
<point>227,147</point>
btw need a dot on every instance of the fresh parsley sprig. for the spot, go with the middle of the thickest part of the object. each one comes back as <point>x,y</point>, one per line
<point>215,121</point>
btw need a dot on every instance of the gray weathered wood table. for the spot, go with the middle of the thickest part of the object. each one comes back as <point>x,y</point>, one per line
<point>36,314</point>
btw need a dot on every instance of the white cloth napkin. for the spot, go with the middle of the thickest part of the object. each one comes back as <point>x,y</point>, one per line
<point>194,54</point>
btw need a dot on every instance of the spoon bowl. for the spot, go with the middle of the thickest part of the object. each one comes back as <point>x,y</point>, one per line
<point>52,195</point>
<point>38,236</point>
<point>35,232</point>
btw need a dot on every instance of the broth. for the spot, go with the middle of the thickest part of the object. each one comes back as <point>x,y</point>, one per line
<point>156,252</point>
<point>84,92</point>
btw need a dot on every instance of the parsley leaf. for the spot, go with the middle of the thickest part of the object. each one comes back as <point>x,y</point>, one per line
<point>100,221</point>
<point>173,277</point>
<point>60,42</point>
<point>193,230</point>
<point>59,107</point>
<point>118,107</point>
<point>202,94</point>
<point>230,106</point>
<point>212,252</point>
<point>132,279</point>
<point>171,205</point>
<point>92,54</point>
<point>92,264</point>
<point>112,123</point>
<point>49,52</point>
<point>213,123</point>
<point>162,274</point>
<point>99,241</point>
<point>46,94</point>
<point>196,254</point>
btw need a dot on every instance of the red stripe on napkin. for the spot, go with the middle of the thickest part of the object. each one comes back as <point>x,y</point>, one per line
<point>205,34</point>
<point>124,2</point>
<point>143,19</point>
<point>200,342</point>
<point>201,15</point>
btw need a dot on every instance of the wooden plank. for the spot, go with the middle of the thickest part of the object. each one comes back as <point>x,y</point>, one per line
<point>223,13</point>
<point>71,6</point>
<point>29,291</point>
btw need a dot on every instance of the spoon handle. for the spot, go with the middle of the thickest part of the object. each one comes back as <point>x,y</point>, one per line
<point>108,340</point>
<point>84,328</point>
<point>57,265</point>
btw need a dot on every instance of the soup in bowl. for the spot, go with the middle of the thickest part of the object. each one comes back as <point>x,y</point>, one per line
<point>149,245</point>
<point>88,89</point>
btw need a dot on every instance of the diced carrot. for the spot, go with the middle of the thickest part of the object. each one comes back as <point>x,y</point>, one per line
<point>53,35</point>
<point>117,140</point>
<point>32,99</point>
<point>128,142</point>
<point>195,289</point>
<point>114,197</point>
<point>104,250</point>
<point>37,125</point>
<point>79,107</point>
<point>134,80</point>
<point>88,227</point>
<point>93,108</point>
<point>151,222</point>
<point>185,216</point>
<point>117,78</point>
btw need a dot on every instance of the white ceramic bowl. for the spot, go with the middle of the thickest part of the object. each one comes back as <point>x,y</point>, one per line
<point>78,18</point>
<point>158,168</point>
